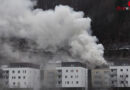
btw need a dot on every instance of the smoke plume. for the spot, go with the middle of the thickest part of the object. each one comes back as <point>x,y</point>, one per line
<point>50,30</point>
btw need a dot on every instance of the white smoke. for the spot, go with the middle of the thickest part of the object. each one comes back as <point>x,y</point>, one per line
<point>51,29</point>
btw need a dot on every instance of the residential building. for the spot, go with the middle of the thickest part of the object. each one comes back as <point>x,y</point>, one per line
<point>49,77</point>
<point>72,76</point>
<point>120,76</point>
<point>21,75</point>
<point>100,78</point>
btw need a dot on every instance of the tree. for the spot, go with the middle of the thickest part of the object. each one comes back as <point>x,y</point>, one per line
<point>123,80</point>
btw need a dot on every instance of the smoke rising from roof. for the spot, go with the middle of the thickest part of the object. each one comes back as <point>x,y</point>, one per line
<point>50,30</point>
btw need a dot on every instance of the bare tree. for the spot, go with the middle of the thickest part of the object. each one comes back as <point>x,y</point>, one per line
<point>123,79</point>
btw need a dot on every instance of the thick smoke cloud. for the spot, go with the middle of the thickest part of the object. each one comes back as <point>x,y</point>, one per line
<point>51,29</point>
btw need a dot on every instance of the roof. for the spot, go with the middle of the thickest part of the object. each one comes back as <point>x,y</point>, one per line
<point>23,65</point>
<point>73,64</point>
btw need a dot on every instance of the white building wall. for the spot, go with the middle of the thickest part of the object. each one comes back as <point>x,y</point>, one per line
<point>122,76</point>
<point>23,78</point>
<point>74,77</point>
<point>5,77</point>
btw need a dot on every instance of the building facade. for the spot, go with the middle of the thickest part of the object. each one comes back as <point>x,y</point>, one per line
<point>21,75</point>
<point>100,79</point>
<point>120,76</point>
<point>72,75</point>
<point>49,77</point>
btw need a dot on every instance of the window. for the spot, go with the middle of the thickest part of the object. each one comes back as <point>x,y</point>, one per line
<point>126,82</point>
<point>121,69</point>
<point>126,75</point>
<point>13,83</point>
<point>59,76</point>
<point>96,72</point>
<point>59,82</point>
<point>19,77</point>
<point>13,71</point>
<point>126,69</point>
<point>72,70</point>
<point>67,82</point>
<point>121,82</point>
<point>19,71</point>
<point>77,82</point>
<point>121,75</point>
<point>112,70</point>
<point>71,76</point>
<point>7,71</point>
<point>59,70</point>
<point>112,75</point>
<point>24,71</point>
<point>66,70</point>
<point>23,77</point>
<point>112,82</point>
<point>65,76</point>
<point>76,70</point>
<point>13,77</point>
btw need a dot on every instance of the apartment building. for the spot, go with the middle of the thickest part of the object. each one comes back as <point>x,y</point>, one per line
<point>72,76</point>
<point>100,79</point>
<point>21,75</point>
<point>49,77</point>
<point>120,76</point>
